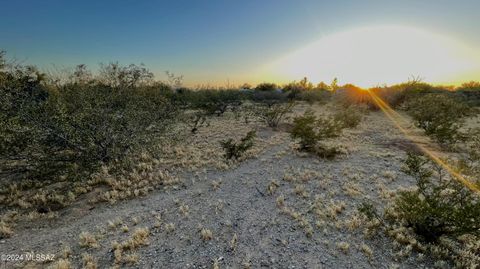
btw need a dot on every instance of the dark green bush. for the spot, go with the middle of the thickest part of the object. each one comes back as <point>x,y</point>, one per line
<point>47,132</point>
<point>440,214</point>
<point>439,115</point>
<point>234,150</point>
<point>311,130</point>
<point>266,87</point>
<point>440,206</point>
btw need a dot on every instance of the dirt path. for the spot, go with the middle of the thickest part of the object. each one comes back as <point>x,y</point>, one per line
<point>315,226</point>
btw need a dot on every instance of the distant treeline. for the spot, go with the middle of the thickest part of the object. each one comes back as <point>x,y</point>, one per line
<point>71,124</point>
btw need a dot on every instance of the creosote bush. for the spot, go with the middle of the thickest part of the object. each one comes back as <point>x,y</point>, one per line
<point>234,150</point>
<point>311,130</point>
<point>73,129</point>
<point>349,116</point>
<point>440,206</point>
<point>266,87</point>
<point>439,115</point>
<point>440,209</point>
<point>275,113</point>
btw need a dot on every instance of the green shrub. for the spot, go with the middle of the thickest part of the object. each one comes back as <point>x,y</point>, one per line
<point>48,132</point>
<point>441,212</point>
<point>311,130</point>
<point>439,115</point>
<point>350,116</point>
<point>440,206</point>
<point>234,150</point>
<point>275,113</point>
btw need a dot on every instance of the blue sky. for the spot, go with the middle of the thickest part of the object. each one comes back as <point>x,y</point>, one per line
<point>206,41</point>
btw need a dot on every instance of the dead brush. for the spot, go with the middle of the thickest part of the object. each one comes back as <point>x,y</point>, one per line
<point>206,234</point>
<point>301,191</point>
<point>343,246</point>
<point>88,240</point>
<point>216,184</point>
<point>89,262</point>
<point>5,230</point>
<point>272,187</point>
<point>61,264</point>
<point>280,201</point>
<point>140,237</point>
<point>184,209</point>
<point>137,239</point>
<point>234,242</point>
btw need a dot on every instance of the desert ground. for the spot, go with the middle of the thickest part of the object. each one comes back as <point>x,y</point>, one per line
<point>276,207</point>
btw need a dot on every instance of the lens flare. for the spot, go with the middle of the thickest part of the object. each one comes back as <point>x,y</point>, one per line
<point>398,119</point>
<point>381,54</point>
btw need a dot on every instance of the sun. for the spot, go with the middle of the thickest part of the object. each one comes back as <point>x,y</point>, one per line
<point>377,55</point>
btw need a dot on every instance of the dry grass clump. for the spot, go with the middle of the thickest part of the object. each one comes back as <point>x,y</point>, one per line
<point>203,150</point>
<point>301,220</point>
<point>66,252</point>
<point>280,201</point>
<point>89,262</point>
<point>61,264</point>
<point>124,228</point>
<point>184,209</point>
<point>169,227</point>
<point>335,208</point>
<point>354,222</point>
<point>301,191</point>
<point>234,242</point>
<point>216,263</point>
<point>206,234</point>
<point>137,239</point>
<point>366,250</point>
<point>272,187</point>
<point>140,181</point>
<point>352,189</point>
<point>5,230</point>
<point>131,258</point>
<point>343,246</point>
<point>140,237</point>
<point>216,184</point>
<point>88,240</point>
<point>113,224</point>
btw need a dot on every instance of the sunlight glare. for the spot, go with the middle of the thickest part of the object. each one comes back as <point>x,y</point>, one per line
<point>377,55</point>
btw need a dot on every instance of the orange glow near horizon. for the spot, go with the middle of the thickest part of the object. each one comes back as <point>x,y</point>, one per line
<point>380,55</point>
